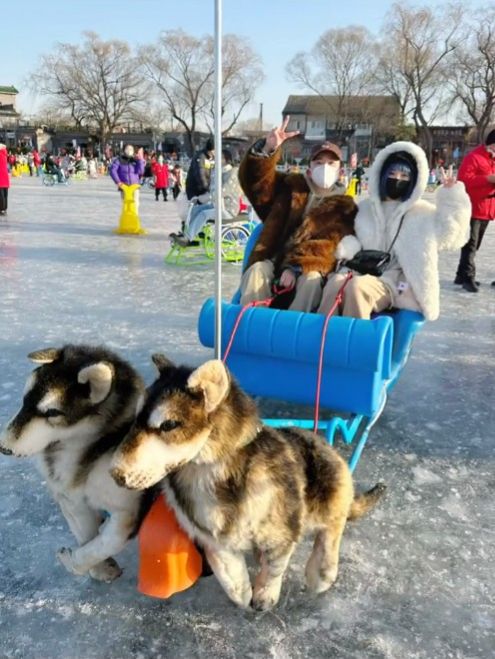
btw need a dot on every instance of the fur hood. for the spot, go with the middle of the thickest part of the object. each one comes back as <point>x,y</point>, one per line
<point>427,227</point>
<point>417,154</point>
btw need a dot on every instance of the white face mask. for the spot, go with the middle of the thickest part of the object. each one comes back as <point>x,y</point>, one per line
<point>129,152</point>
<point>324,176</point>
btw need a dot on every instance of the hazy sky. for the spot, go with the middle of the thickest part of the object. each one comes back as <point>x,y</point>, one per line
<point>277,30</point>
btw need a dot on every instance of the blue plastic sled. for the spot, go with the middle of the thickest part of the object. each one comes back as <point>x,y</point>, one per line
<point>275,354</point>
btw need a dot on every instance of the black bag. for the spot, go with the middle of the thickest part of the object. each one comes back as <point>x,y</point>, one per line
<point>369,262</point>
<point>373,261</point>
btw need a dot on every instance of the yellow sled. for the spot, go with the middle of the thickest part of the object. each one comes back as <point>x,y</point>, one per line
<point>129,219</point>
<point>352,188</point>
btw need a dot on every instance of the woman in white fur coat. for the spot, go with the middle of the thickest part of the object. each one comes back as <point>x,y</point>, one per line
<point>397,181</point>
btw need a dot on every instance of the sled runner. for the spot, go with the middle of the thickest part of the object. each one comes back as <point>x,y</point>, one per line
<point>234,237</point>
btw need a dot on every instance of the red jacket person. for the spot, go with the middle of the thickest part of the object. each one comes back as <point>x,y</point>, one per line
<point>477,172</point>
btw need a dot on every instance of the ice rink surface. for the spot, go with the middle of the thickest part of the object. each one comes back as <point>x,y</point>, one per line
<point>416,576</point>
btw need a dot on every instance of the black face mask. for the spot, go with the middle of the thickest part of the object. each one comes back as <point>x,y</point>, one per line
<point>395,188</point>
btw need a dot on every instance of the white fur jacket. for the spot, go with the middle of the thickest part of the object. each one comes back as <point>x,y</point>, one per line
<point>427,228</point>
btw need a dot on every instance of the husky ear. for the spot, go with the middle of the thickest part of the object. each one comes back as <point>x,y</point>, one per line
<point>100,377</point>
<point>161,362</point>
<point>45,356</point>
<point>212,378</point>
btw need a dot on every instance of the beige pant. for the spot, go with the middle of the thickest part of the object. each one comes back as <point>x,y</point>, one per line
<point>256,284</point>
<point>363,295</point>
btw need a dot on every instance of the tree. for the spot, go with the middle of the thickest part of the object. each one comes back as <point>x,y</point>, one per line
<point>252,125</point>
<point>340,64</point>
<point>472,75</point>
<point>388,79</point>
<point>420,42</point>
<point>181,68</point>
<point>242,74</point>
<point>96,82</point>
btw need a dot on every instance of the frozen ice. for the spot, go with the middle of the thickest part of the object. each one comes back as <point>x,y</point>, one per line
<point>416,577</point>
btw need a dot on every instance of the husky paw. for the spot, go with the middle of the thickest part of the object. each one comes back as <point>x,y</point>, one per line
<point>241,597</point>
<point>66,557</point>
<point>106,571</point>
<point>320,581</point>
<point>265,598</point>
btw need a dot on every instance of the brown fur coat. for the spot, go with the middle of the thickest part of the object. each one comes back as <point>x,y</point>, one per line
<point>290,235</point>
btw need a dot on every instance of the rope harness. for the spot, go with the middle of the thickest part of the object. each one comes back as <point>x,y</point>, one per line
<point>266,303</point>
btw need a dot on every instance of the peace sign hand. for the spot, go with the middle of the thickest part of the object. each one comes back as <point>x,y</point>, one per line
<point>277,136</point>
<point>448,179</point>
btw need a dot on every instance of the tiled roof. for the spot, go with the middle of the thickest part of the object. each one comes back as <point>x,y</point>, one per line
<point>327,105</point>
<point>8,90</point>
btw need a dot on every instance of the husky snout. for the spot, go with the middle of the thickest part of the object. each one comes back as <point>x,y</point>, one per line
<point>5,450</point>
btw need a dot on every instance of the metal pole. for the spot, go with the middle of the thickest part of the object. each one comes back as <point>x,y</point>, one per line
<point>218,179</point>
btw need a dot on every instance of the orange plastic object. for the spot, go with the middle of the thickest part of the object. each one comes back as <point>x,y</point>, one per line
<point>168,560</point>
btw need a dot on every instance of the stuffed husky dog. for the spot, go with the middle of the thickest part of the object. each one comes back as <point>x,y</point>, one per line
<point>78,406</point>
<point>236,485</point>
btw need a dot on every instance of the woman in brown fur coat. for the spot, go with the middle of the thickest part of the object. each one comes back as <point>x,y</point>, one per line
<point>308,221</point>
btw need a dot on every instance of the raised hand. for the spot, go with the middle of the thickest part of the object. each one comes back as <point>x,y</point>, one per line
<point>277,136</point>
<point>447,178</point>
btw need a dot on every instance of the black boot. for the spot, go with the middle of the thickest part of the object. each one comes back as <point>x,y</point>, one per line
<point>459,280</point>
<point>470,286</point>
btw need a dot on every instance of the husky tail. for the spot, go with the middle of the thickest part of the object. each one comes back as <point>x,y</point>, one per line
<point>366,501</point>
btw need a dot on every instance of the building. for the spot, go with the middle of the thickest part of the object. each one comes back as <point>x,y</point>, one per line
<point>451,143</point>
<point>358,124</point>
<point>9,117</point>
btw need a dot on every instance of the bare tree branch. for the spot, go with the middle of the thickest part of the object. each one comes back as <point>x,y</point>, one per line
<point>472,73</point>
<point>97,82</point>
<point>419,44</point>
<point>181,70</point>
<point>341,64</point>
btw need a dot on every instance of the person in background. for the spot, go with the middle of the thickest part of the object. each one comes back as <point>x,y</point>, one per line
<point>177,179</point>
<point>4,180</point>
<point>30,163</point>
<point>128,169</point>
<point>160,175</point>
<point>67,164</point>
<point>11,160</point>
<point>477,172</point>
<point>358,174</point>
<point>149,160</point>
<point>231,192</point>
<point>37,161</point>
<point>51,167</point>
<point>92,167</point>
<point>199,173</point>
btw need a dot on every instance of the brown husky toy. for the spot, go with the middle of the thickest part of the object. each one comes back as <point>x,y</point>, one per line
<point>236,485</point>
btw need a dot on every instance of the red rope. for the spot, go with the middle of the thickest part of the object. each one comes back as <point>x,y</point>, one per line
<point>266,303</point>
<point>338,299</point>
<point>257,303</point>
